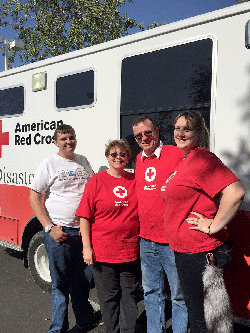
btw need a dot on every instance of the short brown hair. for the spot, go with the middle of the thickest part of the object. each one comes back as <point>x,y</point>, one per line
<point>64,129</point>
<point>122,144</point>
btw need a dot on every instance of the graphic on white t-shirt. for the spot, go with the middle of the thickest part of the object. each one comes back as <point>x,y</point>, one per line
<point>120,192</point>
<point>150,174</point>
<point>78,173</point>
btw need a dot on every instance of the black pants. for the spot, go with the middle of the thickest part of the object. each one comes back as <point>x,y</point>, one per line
<point>117,288</point>
<point>190,268</point>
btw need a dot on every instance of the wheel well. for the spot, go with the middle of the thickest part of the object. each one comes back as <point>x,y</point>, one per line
<point>32,227</point>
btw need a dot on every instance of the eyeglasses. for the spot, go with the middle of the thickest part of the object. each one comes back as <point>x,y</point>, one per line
<point>116,154</point>
<point>138,136</point>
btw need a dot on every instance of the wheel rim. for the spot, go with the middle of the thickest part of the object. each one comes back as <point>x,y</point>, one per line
<point>42,263</point>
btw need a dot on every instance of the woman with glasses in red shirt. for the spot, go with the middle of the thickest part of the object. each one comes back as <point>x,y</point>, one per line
<point>110,234</point>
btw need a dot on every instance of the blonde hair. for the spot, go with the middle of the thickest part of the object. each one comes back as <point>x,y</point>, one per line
<point>195,120</point>
<point>122,144</point>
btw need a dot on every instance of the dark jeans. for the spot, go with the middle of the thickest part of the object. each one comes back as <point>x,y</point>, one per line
<point>190,268</point>
<point>117,288</point>
<point>70,275</point>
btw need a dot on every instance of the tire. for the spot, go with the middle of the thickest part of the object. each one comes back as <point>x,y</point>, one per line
<point>38,262</point>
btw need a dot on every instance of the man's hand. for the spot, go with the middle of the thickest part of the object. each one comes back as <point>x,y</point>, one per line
<point>58,234</point>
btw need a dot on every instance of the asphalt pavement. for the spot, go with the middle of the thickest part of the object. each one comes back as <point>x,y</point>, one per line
<point>25,308</point>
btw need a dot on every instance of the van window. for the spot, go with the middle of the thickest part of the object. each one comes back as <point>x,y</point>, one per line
<point>75,90</point>
<point>11,101</point>
<point>164,83</point>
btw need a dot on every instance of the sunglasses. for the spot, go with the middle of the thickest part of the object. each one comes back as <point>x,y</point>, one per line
<point>138,136</point>
<point>116,154</point>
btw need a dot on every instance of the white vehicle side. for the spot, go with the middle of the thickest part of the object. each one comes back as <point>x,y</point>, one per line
<point>124,79</point>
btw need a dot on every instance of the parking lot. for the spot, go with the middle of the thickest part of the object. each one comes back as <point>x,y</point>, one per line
<point>25,308</point>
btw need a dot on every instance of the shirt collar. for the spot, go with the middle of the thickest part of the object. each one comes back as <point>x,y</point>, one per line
<point>156,152</point>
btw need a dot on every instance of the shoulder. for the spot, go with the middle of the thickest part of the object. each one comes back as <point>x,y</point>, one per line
<point>49,161</point>
<point>81,159</point>
<point>170,151</point>
<point>203,155</point>
<point>44,173</point>
<point>98,176</point>
<point>52,158</point>
<point>91,183</point>
<point>98,180</point>
<point>207,162</point>
<point>202,152</point>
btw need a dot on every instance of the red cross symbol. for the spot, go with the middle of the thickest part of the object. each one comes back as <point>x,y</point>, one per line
<point>150,173</point>
<point>4,138</point>
<point>120,192</point>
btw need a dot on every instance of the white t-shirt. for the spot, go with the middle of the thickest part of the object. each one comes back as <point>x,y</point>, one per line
<point>63,182</point>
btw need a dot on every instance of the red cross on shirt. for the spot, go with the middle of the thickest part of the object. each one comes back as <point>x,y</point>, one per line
<point>150,174</point>
<point>4,138</point>
<point>120,191</point>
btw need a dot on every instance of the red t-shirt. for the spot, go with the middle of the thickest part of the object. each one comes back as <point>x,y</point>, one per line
<point>150,173</point>
<point>112,204</point>
<point>194,187</point>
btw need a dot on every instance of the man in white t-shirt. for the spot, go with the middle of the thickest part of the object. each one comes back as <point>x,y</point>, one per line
<point>62,178</point>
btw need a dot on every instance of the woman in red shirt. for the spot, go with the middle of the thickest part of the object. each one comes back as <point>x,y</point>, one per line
<point>110,234</point>
<point>201,197</point>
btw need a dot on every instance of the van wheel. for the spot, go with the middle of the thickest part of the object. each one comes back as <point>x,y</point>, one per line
<point>38,262</point>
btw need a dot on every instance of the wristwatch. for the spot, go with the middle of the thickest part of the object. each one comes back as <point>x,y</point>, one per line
<point>49,227</point>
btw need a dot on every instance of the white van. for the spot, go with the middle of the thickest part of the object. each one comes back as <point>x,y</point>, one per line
<point>202,63</point>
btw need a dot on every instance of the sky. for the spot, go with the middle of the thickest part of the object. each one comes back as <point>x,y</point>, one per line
<point>149,11</point>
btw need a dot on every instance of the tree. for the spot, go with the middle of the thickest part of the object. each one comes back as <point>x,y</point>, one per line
<point>240,1</point>
<point>52,27</point>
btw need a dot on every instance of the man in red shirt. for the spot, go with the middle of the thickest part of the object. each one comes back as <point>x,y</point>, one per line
<point>153,166</point>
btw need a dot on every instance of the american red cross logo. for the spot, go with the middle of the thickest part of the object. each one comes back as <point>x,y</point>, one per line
<point>120,192</point>
<point>4,138</point>
<point>150,174</point>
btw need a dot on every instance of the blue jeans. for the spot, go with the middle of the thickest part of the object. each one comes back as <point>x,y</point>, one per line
<point>70,276</point>
<point>157,258</point>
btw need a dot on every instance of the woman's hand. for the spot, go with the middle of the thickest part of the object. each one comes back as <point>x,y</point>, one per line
<point>88,252</point>
<point>88,255</point>
<point>231,198</point>
<point>200,223</point>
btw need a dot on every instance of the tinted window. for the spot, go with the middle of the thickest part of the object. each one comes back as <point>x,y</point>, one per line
<point>164,83</point>
<point>75,90</point>
<point>12,101</point>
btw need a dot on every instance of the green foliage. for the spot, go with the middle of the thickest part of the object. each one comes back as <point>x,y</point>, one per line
<point>240,1</point>
<point>150,26</point>
<point>52,27</point>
